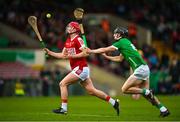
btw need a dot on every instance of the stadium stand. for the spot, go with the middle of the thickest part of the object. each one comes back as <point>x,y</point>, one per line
<point>163,21</point>
<point>11,70</point>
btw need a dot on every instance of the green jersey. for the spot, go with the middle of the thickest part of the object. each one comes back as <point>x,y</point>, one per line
<point>129,52</point>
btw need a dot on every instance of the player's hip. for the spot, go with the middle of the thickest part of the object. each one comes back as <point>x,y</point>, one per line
<point>76,63</point>
<point>81,72</point>
<point>142,72</point>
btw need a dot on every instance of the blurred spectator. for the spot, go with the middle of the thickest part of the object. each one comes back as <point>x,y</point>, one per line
<point>1,87</point>
<point>105,24</point>
<point>164,60</point>
<point>46,81</point>
<point>176,40</point>
<point>94,60</point>
<point>162,20</point>
<point>56,77</point>
<point>164,83</point>
<point>161,27</point>
<point>132,31</point>
<point>46,86</point>
<point>154,80</point>
<point>153,59</point>
<point>19,88</point>
<point>174,73</point>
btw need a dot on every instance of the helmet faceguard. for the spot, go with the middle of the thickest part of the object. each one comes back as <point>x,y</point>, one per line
<point>122,31</point>
<point>75,25</point>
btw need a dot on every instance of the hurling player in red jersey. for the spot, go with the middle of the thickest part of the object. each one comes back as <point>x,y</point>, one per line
<point>80,70</point>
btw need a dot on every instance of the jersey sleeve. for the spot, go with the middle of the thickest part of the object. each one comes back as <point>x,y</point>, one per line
<point>80,43</point>
<point>117,45</point>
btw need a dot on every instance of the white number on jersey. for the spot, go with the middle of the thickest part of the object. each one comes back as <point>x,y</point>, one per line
<point>134,48</point>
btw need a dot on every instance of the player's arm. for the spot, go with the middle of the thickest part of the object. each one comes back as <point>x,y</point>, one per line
<point>131,71</point>
<point>64,52</point>
<point>114,58</point>
<point>79,55</point>
<point>81,46</point>
<point>103,50</point>
<point>56,55</point>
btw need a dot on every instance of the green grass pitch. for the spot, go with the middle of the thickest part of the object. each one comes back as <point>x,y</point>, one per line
<point>85,108</point>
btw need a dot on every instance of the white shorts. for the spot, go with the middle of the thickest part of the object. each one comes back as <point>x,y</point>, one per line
<point>82,74</point>
<point>142,72</point>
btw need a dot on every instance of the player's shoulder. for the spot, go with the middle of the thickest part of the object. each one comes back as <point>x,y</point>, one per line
<point>67,39</point>
<point>125,41</point>
<point>79,38</point>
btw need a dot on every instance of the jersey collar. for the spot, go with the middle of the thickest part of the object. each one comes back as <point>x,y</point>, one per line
<point>73,37</point>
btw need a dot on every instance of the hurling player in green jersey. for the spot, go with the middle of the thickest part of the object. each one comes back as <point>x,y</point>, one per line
<point>138,81</point>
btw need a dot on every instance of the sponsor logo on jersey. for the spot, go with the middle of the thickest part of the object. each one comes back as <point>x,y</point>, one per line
<point>71,51</point>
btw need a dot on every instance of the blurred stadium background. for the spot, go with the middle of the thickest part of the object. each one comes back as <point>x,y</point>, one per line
<point>153,27</point>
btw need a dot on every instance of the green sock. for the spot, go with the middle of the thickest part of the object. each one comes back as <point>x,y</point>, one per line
<point>143,91</point>
<point>159,105</point>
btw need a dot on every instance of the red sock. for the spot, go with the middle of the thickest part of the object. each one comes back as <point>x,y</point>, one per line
<point>64,100</point>
<point>64,104</point>
<point>107,98</point>
<point>110,100</point>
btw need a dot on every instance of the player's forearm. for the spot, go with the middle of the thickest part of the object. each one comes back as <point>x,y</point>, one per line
<point>100,50</point>
<point>113,58</point>
<point>131,71</point>
<point>56,55</point>
<point>79,55</point>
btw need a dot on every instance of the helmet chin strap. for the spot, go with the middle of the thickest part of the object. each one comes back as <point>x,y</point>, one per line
<point>71,32</point>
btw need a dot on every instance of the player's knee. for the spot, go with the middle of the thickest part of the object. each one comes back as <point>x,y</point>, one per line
<point>62,84</point>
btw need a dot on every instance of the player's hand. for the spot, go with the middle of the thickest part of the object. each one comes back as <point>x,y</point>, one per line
<point>68,56</point>
<point>87,50</point>
<point>85,54</point>
<point>46,50</point>
<point>65,56</point>
<point>104,54</point>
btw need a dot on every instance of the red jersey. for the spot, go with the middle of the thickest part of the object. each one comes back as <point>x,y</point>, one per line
<point>73,47</point>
